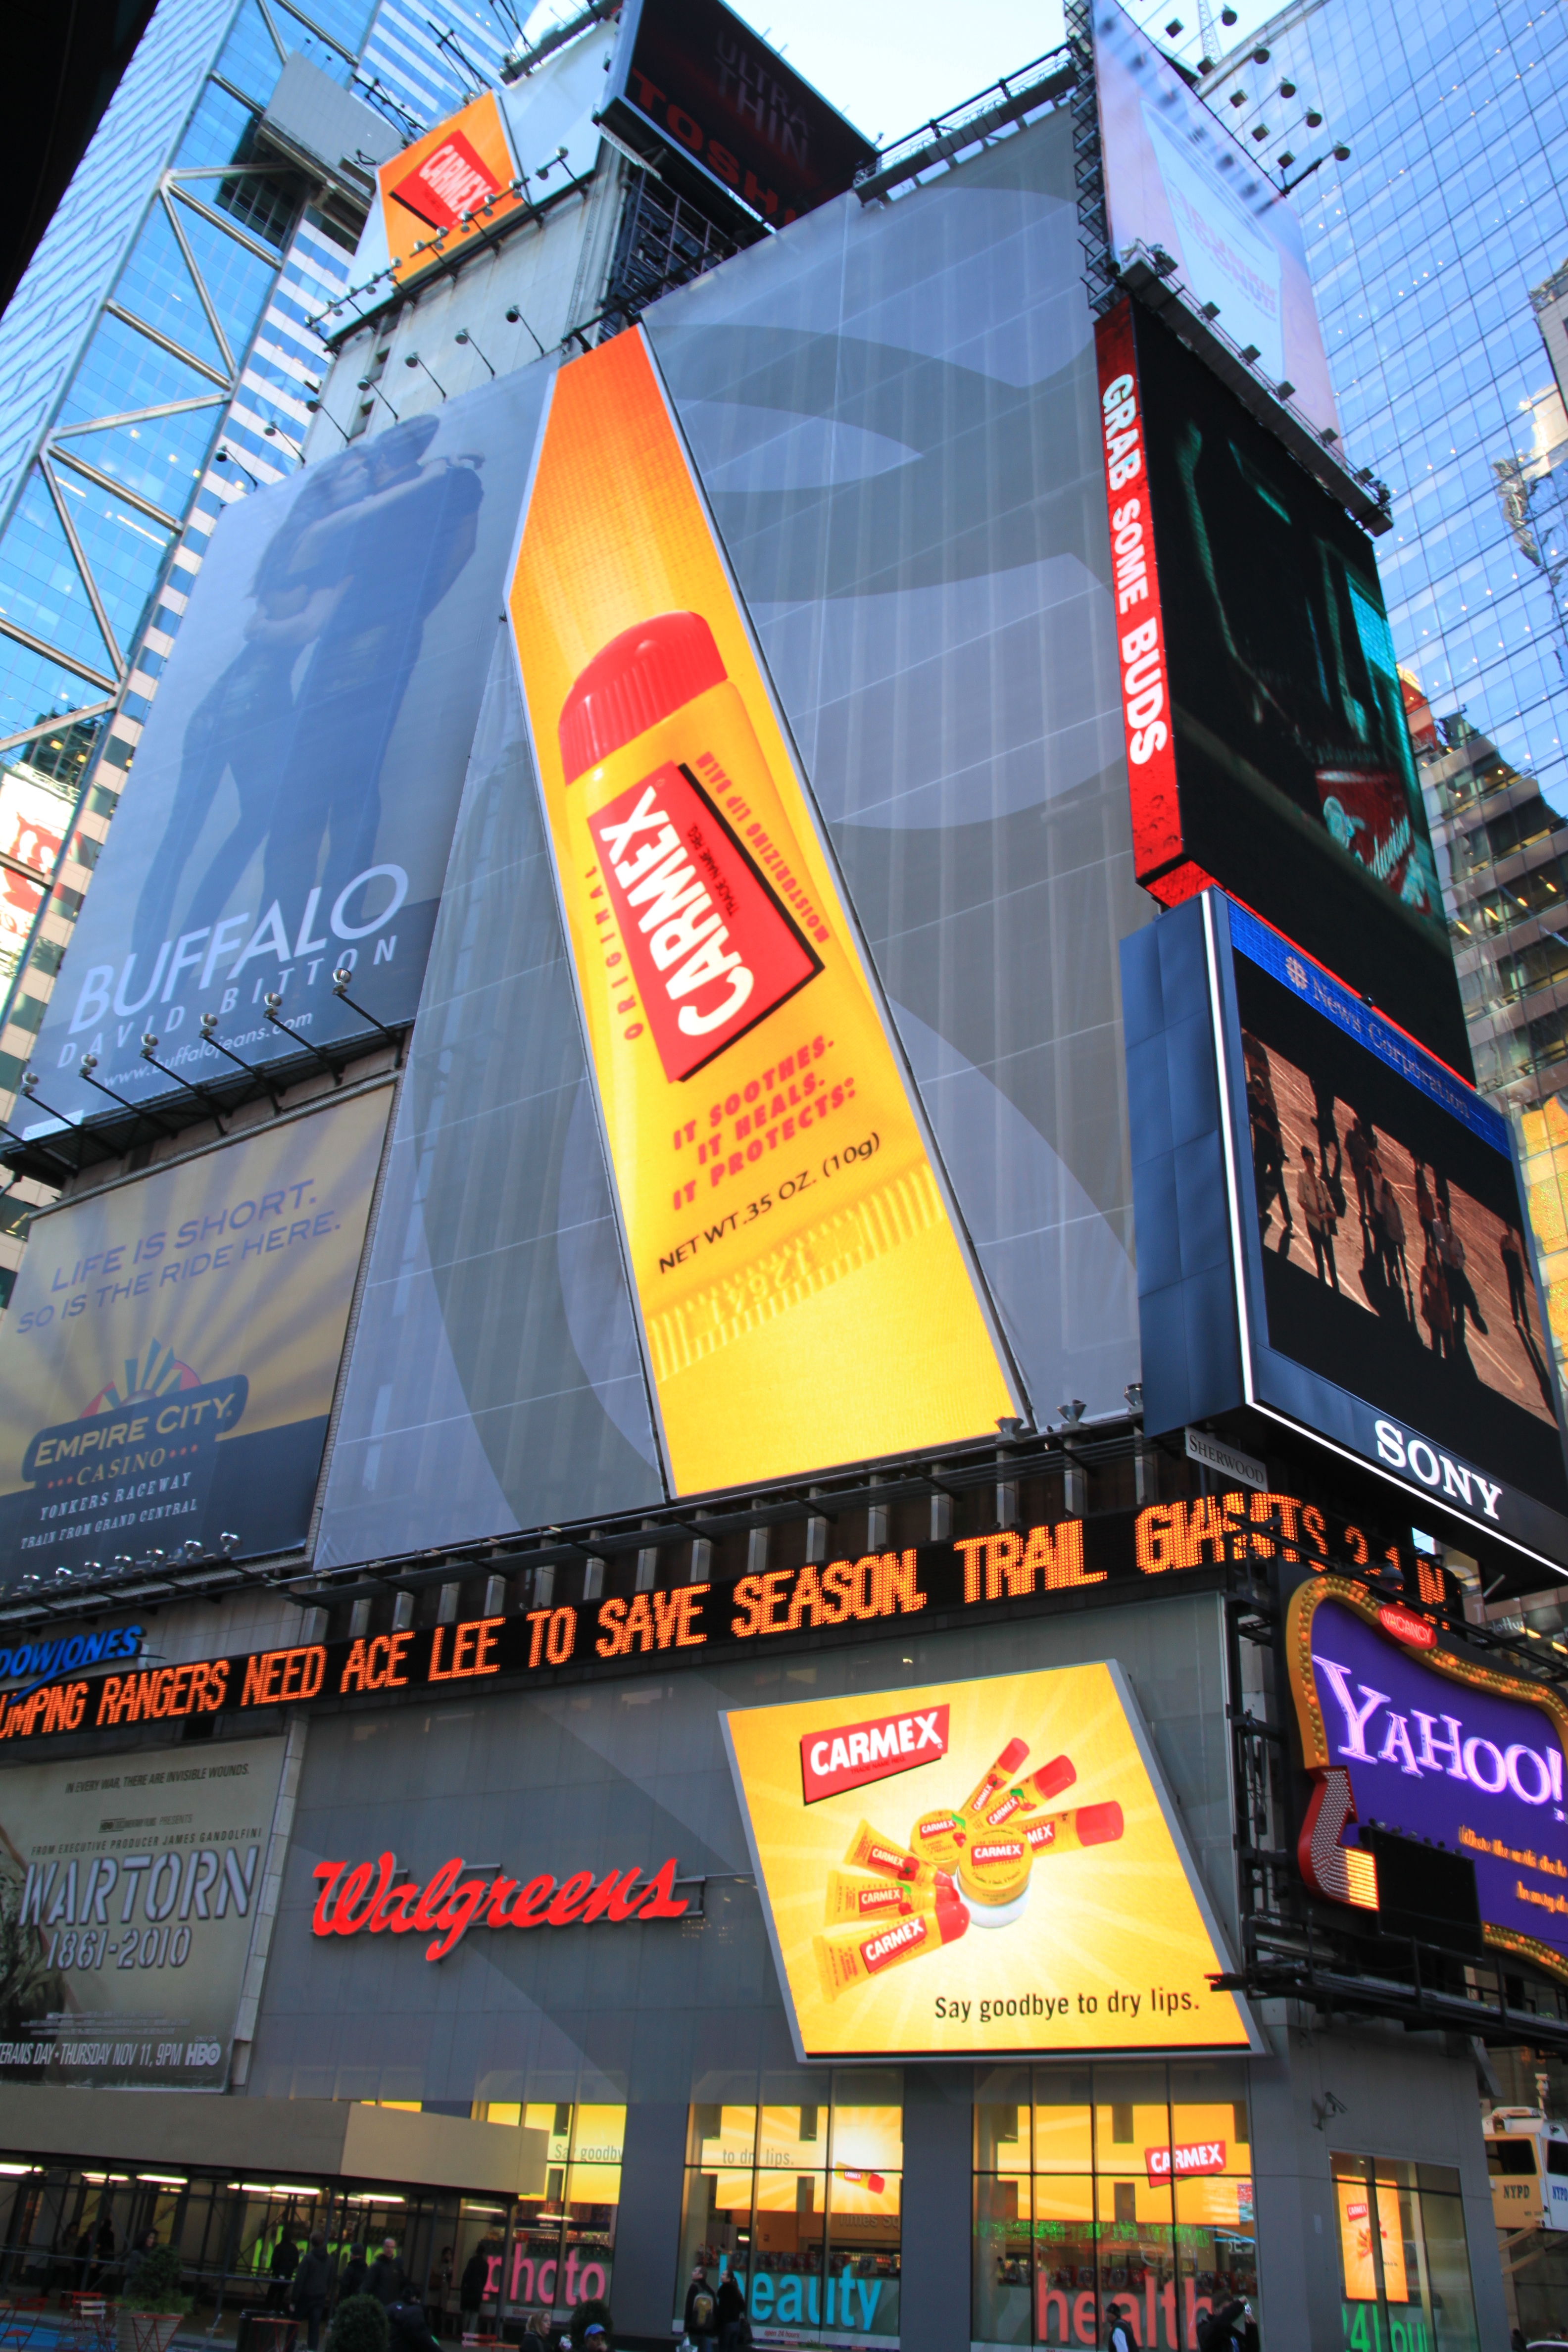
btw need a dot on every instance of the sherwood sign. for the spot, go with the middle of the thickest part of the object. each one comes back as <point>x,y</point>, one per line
<point>1020,1567</point>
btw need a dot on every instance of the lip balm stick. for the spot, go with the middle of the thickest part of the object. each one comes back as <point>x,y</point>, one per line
<point>851,1897</point>
<point>997,1780</point>
<point>857,1955</point>
<point>868,1849</point>
<point>1082,1825</point>
<point>1031,1796</point>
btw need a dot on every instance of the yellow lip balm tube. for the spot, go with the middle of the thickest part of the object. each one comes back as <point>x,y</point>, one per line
<point>997,1780</point>
<point>1082,1825</point>
<point>857,1955</point>
<point>868,1849</point>
<point>851,1897</point>
<point>1032,1796</point>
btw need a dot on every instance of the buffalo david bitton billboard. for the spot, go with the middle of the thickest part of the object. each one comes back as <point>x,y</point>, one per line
<point>990,1865</point>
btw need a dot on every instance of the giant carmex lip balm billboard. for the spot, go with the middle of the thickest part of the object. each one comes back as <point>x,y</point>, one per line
<point>785,1223</point>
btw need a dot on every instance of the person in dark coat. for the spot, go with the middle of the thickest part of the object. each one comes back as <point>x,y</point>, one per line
<point>138,2254</point>
<point>284,2263</point>
<point>103,2251</point>
<point>313,2287</point>
<point>701,2310</point>
<point>409,2330</point>
<point>355,2273</point>
<point>472,2284</point>
<point>388,2280</point>
<point>1230,2328</point>
<point>730,2310</point>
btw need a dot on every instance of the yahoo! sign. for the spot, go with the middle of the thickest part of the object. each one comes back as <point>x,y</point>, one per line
<point>1434,1745</point>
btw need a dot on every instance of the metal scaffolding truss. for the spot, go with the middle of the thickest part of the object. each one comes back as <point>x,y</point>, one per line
<point>67,457</point>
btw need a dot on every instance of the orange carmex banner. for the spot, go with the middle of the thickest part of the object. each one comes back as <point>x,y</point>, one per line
<point>802,1294</point>
<point>448,184</point>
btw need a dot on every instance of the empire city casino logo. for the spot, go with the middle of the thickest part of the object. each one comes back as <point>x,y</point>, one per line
<point>152,1432</point>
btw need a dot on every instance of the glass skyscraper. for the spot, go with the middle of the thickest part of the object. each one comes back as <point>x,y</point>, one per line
<point>156,362</point>
<point>1437,250</point>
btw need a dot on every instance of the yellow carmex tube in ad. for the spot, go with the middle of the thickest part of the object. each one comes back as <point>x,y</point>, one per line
<point>804,1296</point>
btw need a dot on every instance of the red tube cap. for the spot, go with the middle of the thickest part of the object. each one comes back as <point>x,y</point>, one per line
<point>1099,1824</point>
<point>1011,1756</point>
<point>952,1915</point>
<point>1053,1777</point>
<point>632,683</point>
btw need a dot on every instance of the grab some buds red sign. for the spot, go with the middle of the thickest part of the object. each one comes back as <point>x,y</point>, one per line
<point>368,1902</point>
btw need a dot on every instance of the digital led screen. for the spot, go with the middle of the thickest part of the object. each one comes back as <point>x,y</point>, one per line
<point>1390,1238</point>
<point>1258,660</point>
<point>168,1360</point>
<point>1438,1747</point>
<point>1332,1231</point>
<point>696,91</point>
<point>1178,183</point>
<point>1021,1822</point>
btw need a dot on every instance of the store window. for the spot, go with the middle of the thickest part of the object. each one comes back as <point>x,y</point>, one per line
<point>1407,2281</point>
<point>799,2201</point>
<point>1124,2185</point>
<point>555,2247</point>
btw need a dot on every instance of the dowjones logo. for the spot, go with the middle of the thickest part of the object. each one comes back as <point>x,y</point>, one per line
<point>854,1754</point>
<point>1436,1471</point>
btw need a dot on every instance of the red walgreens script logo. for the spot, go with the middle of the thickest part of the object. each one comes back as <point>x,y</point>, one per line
<point>1193,2156</point>
<point>712,950</point>
<point>450,182</point>
<point>855,1753</point>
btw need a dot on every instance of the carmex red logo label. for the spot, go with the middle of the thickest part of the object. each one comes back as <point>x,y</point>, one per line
<point>451,181</point>
<point>713,950</point>
<point>857,1753</point>
<point>879,1951</point>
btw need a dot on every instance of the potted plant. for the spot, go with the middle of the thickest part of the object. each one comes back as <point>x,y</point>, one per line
<point>359,2324</point>
<point>151,2306</point>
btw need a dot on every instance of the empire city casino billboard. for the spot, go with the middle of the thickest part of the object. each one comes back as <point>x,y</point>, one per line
<point>169,1356</point>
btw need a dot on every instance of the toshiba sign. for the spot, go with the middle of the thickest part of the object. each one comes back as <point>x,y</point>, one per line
<point>853,1754</point>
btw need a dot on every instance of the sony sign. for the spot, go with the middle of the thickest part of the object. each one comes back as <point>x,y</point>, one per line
<point>1436,1471</point>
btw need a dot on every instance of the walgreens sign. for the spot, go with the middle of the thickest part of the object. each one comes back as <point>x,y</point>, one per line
<point>375,1898</point>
